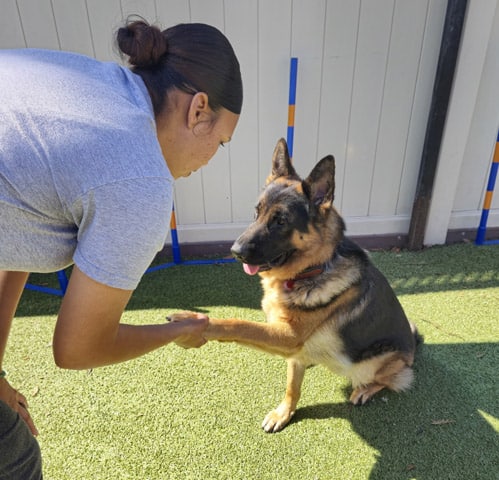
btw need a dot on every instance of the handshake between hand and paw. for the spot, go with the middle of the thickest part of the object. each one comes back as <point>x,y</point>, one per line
<point>190,328</point>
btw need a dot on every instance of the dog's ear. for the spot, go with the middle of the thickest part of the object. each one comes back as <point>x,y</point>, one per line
<point>281,163</point>
<point>319,186</point>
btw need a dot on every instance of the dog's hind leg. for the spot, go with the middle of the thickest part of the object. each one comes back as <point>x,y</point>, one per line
<point>277,419</point>
<point>363,393</point>
<point>391,371</point>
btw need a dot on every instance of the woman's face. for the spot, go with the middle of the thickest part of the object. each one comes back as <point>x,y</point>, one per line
<point>191,135</point>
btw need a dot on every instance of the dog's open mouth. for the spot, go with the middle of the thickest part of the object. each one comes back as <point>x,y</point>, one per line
<point>276,262</point>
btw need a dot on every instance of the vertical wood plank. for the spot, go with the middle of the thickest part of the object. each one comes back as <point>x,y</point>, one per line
<point>11,31</point>
<point>398,96</point>
<point>209,188</point>
<point>172,12</point>
<point>216,175</point>
<point>369,77</point>
<point>481,144</point>
<point>72,26</point>
<point>242,30</point>
<point>432,36</point>
<point>211,12</point>
<point>307,44</point>
<point>274,53</point>
<point>38,24</point>
<point>105,18</point>
<point>143,8</point>
<point>340,37</point>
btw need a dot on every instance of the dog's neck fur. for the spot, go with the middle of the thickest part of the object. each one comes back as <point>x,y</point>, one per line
<point>309,272</point>
<point>317,269</point>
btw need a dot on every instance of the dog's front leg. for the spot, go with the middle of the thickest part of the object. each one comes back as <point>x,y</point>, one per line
<point>277,419</point>
<point>278,338</point>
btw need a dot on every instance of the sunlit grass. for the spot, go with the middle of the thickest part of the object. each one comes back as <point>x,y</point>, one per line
<point>196,414</point>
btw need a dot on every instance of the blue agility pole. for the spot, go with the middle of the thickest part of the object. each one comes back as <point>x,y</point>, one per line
<point>215,261</point>
<point>293,74</point>
<point>482,229</point>
<point>177,258</point>
<point>63,285</point>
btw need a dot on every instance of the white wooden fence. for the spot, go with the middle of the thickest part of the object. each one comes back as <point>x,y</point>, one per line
<point>365,79</point>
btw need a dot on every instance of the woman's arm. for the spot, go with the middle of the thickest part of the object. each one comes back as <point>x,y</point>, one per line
<point>88,333</point>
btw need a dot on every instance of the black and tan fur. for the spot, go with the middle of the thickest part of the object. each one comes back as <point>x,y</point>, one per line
<point>324,300</point>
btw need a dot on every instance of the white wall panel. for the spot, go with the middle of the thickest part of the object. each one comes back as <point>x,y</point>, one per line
<point>338,65</point>
<point>38,23</point>
<point>11,31</point>
<point>172,12</point>
<point>241,19</point>
<point>144,8</point>
<point>421,105</point>
<point>373,38</point>
<point>274,52</point>
<point>365,79</point>
<point>398,98</point>
<point>216,175</point>
<point>307,40</point>
<point>72,25</point>
<point>213,181</point>
<point>482,138</point>
<point>105,18</point>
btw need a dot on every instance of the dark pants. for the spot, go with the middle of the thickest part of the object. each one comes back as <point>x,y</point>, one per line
<point>20,457</point>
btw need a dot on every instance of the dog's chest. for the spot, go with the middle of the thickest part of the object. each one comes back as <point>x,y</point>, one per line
<point>324,347</point>
<point>279,297</point>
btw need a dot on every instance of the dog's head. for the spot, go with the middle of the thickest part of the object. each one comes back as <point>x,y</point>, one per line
<point>295,224</point>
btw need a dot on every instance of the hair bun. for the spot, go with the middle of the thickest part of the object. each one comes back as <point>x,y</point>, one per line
<point>144,44</point>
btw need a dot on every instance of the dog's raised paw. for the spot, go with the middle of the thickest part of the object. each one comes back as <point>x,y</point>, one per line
<point>180,316</point>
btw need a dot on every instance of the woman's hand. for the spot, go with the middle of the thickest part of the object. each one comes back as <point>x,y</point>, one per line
<point>88,333</point>
<point>16,401</point>
<point>191,326</point>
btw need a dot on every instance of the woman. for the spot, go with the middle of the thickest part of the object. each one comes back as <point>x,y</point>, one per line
<point>88,154</point>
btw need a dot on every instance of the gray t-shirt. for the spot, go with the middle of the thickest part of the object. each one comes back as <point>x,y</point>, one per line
<point>82,176</point>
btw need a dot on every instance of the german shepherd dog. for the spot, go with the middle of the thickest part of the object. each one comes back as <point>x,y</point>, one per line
<point>324,300</point>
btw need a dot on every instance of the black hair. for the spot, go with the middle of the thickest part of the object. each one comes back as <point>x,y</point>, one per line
<point>192,57</point>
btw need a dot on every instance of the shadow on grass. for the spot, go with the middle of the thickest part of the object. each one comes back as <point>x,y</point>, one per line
<point>178,287</point>
<point>442,428</point>
<point>190,287</point>
<point>439,269</point>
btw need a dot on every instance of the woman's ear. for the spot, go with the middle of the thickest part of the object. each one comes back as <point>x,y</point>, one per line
<point>199,110</point>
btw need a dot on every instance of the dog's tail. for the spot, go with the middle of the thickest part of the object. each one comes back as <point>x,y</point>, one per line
<point>418,338</point>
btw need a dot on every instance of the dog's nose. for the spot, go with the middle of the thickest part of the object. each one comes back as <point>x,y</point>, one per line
<point>236,250</point>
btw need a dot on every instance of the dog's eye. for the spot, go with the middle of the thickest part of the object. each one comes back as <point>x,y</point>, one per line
<point>279,219</point>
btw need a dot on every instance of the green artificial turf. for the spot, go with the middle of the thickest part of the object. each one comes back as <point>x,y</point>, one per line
<point>196,414</point>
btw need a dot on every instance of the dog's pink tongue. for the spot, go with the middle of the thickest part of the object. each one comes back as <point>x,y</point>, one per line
<point>251,269</point>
